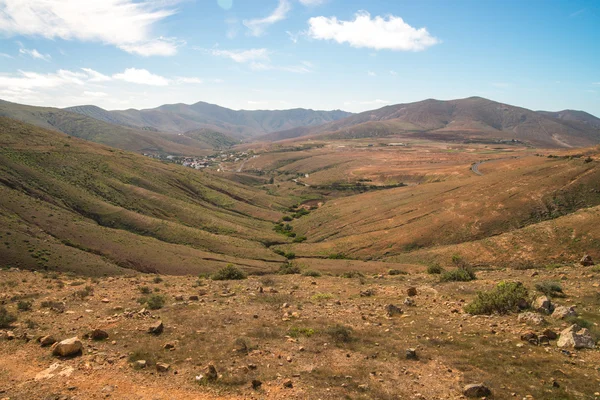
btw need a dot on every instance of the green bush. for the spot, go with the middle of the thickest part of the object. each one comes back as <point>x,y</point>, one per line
<point>434,269</point>
<point>396,272</point>
<point>550,289</point>
<point>299,239</point>
<point>6,318</point>
<point>85,292</point>
<point>289,269</point>
<point>154,302</point>
<point>504,298</point>
<point>24,305</point>
<point>337,256</point>
<point>458,275</point>
<point>340,333</point>
<point>144,289</point>
<point>296,332</point>
<point>228,273</point>
<point>290,255</point>
<point>157,279</point>
<point>352,274</point>
<point>287,218</point>
<point>314,274</point>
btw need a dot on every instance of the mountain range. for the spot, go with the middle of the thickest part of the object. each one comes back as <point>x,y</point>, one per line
<point>201,128</point>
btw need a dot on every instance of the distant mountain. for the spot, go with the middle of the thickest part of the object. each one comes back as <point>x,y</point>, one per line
<point>99,131</point>
<point>182,118</point>
<point>474,118</point>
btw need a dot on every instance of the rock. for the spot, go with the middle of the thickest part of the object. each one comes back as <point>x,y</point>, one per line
<point>561,312</point>
<point>543,340</point>
<point>179,298</point>
<point>68,347</point>
<point>531,318</point>
<point>530,336</point>
<point>392,310</point>
<point>105,300</point>
<point>409,302</point>
<point>411,354</point>
<point>46,341</point>
<point>542,305</point>
<point>288,384</point>
<point>98,334</point>
<point>256,384</point>
<point>411,291</point>
<point>576,337</point>
<point>169,346</point>
<point>8,335</point>
<point>586,261</point>
<point>157,328</point>
<point>211,374</point>
<point>476,390</point>
<point>550,334</point>
<point>140,364</point>
<point>162,367</point>
<point>367,293</point>
<point>194,298</point>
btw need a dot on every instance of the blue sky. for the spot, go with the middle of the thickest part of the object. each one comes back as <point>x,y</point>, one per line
<point>354,55</point>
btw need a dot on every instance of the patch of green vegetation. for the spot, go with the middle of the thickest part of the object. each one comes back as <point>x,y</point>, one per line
<point>24,305</point>
<point>296,332</point>
<point>321,296</point>
<point>397,272</point>
<point>312,273</point>
<point>144,289</point>
<point>550,289</point>
<point>6,318</point>
<point>434,269</point>
<point>337,256</point>
<point>504,298</point>
<point>228,273</point>
<point>340,333</point>
<point>153,302</point>
<point>465,274</point>
<point>289,269</point>
<point>352,274</point>
<point>157,279</point>
<point>84,293</point>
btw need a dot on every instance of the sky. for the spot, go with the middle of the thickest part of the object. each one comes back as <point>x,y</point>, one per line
<point>354,55</point>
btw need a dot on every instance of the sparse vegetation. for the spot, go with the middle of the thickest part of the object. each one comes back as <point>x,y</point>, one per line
<point>550,289</point>
<point>84,293</point>
<point>153,302</point>
<point>228,273</point>
<point>465,274</point>
<point>340,333</point>
<point>6,318</point>
<point>312,273</point>
<point>289,269</point>
<point>394,272</point>
<point>435,269</point>
<point>321,296</point>
<point>352,274</point>
<point>506,297</point>
<point>24,305</point>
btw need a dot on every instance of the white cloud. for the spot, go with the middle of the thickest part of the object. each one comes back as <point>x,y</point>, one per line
<point>596,83</point>
<point>141,77</point>
<point>126,24</point>
<point>312,3</point>
<point>6,55</point>
<point>371,73</point>
<point>35,54</point>
<point>25,80</point>
<point>380,33</point>
<point>95,94</point>
<point>190,80</point>
<point>258,26</point>
<point>303,68</point>
<point>95,76</point>
<point>393,73</point>
<point>233,27</point>
<point>242,56</point>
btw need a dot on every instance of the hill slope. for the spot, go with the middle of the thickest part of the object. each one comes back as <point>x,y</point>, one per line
<point>68,203</point>
<point>95,130</point>
<point>473,118</point>
<point>183,117</point>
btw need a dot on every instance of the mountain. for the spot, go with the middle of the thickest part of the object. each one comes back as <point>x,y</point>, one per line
<point>182,118</point>
<point>115,135</point>
<point>72,204</point>
<point>574,116</point>
<point>473,118</point>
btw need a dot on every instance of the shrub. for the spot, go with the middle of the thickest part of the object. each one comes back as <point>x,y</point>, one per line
<point>228,273</point>
<point>289,269</point>
<point>352,274</point>
<point>340,333</point>
<point>24,305</point>
<point>280,252</point>
<point>337,256</point>
<point>290,255</point>
<point>85,292</point>
<point>296,332</point>
<point>6,318</point>
<point>504,298</point>
<point>434,269</point>
<point>299,239</point>
<point>321,296</point>
<point>550,289</point>
<point>144,289</point>
<point>155,302</point>
<point>157,279</point>
<point>287,218</point>
<point>458,275</point>
<point>396,272</point>
<point>314,274</point>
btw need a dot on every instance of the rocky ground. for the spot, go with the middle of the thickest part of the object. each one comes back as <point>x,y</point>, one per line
<point>295,336</point>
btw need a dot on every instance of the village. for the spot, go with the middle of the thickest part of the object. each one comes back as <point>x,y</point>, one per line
<point>214,161</point>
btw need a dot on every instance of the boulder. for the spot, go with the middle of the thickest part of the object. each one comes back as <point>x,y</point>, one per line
<point>550,334</point>
<point>411,291</point>
<point>542,305</point>
<point>140,364</point>
<point>530,336</point>
<point>411,354</point>
<point>288,384</point>
<point>476,390</point>
<point>46,341</point>
<point>162,367</point>
<point>256,384</point>
<point>562,312</point>
<point>409,302</point>
<point>576,337</point>
<point>586,261</point>
<point>68,347</point>
<point>531,318</point>
<point>98,334</point>
<point>157,328</point>
<point>392,310</point>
